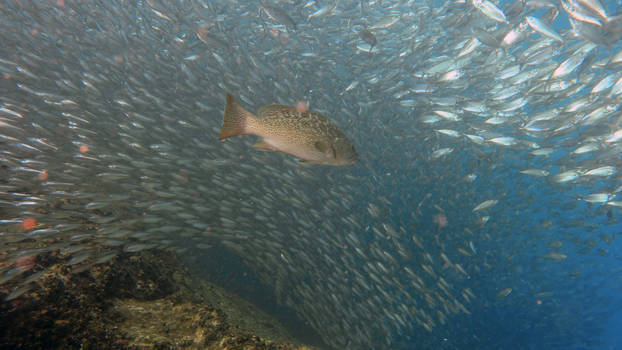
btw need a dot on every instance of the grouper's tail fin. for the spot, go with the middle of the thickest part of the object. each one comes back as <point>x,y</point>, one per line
<point>237,120</point>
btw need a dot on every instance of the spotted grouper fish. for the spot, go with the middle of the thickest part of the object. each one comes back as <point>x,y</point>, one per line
<point>307,135</point>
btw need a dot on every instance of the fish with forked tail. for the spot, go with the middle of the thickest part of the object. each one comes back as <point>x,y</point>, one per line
<point>307,135</point>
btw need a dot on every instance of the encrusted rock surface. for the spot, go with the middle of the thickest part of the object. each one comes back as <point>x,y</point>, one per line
<point>136,301</point>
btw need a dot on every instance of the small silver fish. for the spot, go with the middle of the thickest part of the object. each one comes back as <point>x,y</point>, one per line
<point>278,15</point>
<point>368,37</point>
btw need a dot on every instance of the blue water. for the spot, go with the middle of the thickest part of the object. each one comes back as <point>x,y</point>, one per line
<point>545,269</point>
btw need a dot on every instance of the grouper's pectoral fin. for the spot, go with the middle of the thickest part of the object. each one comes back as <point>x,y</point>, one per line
<point>261,144</point>
<point>309,161</point>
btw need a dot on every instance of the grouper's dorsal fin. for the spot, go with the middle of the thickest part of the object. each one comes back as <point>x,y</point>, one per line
<point>274,109</point>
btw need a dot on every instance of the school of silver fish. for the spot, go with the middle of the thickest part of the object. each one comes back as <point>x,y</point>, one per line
<point>479,126</point>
